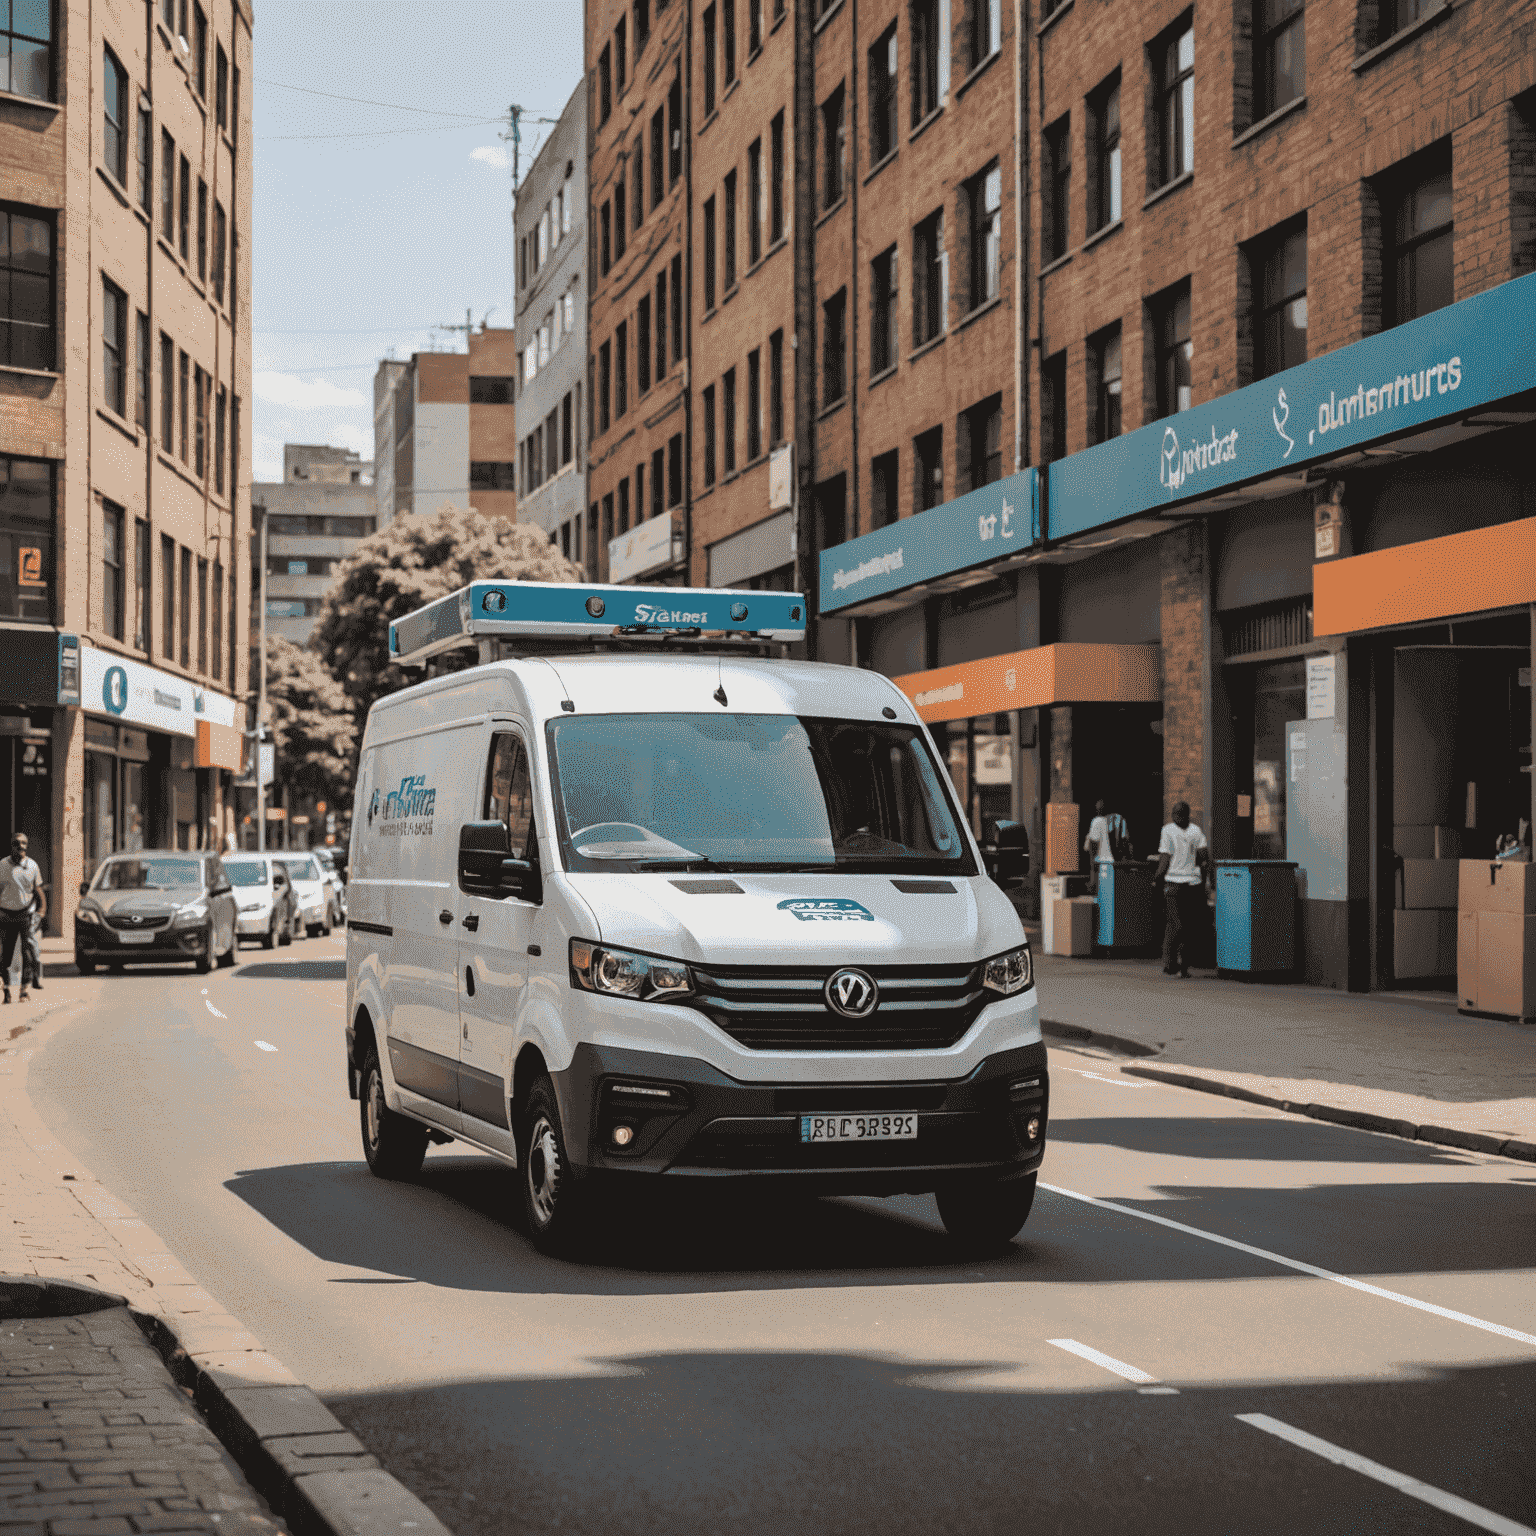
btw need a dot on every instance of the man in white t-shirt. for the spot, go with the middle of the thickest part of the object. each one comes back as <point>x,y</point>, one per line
<point>20,894</point>
<point>1182,861</point>
<point>1107,841</point>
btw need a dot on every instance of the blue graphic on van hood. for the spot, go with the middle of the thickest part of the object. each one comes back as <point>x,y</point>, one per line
<point>826,909</point>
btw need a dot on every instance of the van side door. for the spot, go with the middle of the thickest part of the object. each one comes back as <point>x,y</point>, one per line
<point>494,937</point>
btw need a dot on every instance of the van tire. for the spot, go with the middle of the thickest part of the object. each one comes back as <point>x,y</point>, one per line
<point>554,1203</point>
<point>285,938</point>
<point>393,1144</point>
<point>985,1218</point>
<point>269,938</point>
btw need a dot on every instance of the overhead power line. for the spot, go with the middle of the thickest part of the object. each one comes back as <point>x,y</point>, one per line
<point>363,101</point>
<point>377,133</point>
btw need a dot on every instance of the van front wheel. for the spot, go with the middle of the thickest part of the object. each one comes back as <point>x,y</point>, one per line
<point>985,1218</point>
<point>554,1203</point>
<point>394,1145</point>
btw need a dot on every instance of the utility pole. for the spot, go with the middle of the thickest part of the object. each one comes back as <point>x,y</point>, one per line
<point>261,698</point>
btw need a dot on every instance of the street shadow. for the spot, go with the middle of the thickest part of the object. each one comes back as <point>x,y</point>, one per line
<point>294,970</point>
<point>458,1226</point>
<point>1247,1140</point>
<point>802,1443</point>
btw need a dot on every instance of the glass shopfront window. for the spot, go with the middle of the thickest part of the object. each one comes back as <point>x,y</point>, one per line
<point>26,540</point>
<point>100,809</point>
<point>979,753</point>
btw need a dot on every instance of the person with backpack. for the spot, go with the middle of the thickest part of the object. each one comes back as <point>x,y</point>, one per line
<point>1108,841</point>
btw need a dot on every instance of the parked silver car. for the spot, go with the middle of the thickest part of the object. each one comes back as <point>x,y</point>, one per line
<point>150,907</point>
<point>269,909</point>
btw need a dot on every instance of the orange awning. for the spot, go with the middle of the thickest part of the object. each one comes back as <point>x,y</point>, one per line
<point>1441,578</point>
<point>1047,674</point>
<point>219,746</point>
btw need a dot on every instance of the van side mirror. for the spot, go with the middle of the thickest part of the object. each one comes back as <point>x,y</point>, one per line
<point>85,886</point>
<point>486,865</point>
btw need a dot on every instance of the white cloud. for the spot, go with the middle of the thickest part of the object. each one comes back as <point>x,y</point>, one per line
<point>299,394</point>
<point>492,155</point>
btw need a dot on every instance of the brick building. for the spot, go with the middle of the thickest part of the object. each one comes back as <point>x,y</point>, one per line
<point>1275,552</point>
<point>125,174</point>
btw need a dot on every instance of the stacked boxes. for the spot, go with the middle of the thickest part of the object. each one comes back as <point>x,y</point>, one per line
<point>1425,895</point>
<point>1496,938</point>
<point>1057,893</point>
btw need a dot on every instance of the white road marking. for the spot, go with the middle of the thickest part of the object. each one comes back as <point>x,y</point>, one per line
<point>1114,1082</point>
<point>1119,1367</point>
<point>1473,1514</point>
<point>1300,1266</point>
<point>261,1045</point>
<point>214,1011</point>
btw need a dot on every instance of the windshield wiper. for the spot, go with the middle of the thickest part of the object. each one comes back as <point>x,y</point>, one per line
<point>682,860</point>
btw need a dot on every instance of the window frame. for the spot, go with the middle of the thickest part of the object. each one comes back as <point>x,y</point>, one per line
<point>49,51</point>
<point>884,61</point>
<point>884,298</point>
<point>1107,203</point>
<point>930,280</point>
<point>1268,39</point>
<point>834,146</point>
<point>113,562</point>
<point>1174,102</point>
<point>1271,299</point>
<point>1402,251</point>
<point>1108,401</point>
<point>114,130</point>
<point>928,469</point>
<point>44,335</point>
<point>985,235</point>
<point>114,346</point>
<point>1056,238</point>
<point>754,405</point>
<point>1173,341</point>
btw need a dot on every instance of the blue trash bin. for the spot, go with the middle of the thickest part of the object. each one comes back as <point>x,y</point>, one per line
<point>1256,916</point>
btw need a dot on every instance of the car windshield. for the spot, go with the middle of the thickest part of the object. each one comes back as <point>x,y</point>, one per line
<point>149,874</point>
<point>750,792</point>
<point>301,869</point>
<point>248,872</point>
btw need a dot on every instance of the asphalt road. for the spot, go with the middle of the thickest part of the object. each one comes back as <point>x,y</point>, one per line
<point>1261,1303</point>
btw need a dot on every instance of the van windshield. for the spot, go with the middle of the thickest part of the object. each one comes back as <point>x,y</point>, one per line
<point>750,792</point>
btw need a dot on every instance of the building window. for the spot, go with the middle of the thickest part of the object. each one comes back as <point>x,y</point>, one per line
<point>490,389</point>
<point>114,346</point>
<point>1175,67</point>
<point>728,421</point>
<point>643,344</point>
<point>114,101</point>
<point>621,53</point>
<point>200,50</point>
<point>146,158</point>
<point>980,445</point>
<point>234,461</point>
<point>661,326</point>
<point>200,387</point>
<point>496,475</point>
<point>184,602</point>
<point>1280,33</point>
<point>621,369</point>
<point>776,180</point>
<point>26,290</point>
<point>220,239</point>
<point>833,147</point>
<point>216,619</point>
<point>1397,14</point>
<point>674,133</point>
<point>882,96</point>
<point>883,508</point>
<point>658,482</point>
<point>604,86</point>
<point>1280,337</point>
<point>605,238</point>
<point>167,185</point>
<point>728,273</point>
<point>882,303</point>
<point>1175,351</point>
<point>728,40</point>
<point>220,411</point>
<point>930,51</point>
<point>677,308</point>
<point>639,213</point>
<point>167,393</point>
<point>710,255</point>
<point>754,27</point>
<point>776,389</point>
<point>928,458</point>
<point>221,94</point>
<point>202,230</point>
<point>234,627</point>
<point>168,597</point>
<point>675,470</point>
<point>112,593</point>
<point>141,583</point>
<point>1104,365</point>
<point>984,198</point>
<point>1053,408</point>
<point>709,59</point>
<point>143,363</point>
<point>184,228</point>
<point>709,434</point>
<point>604,384</point>
<point>642,24</point>
<point>1419,274</point>
<point>26,54</point>
<point>1058,180</point>
<point>1104,131</point>
<point>834,348</point>
<point>930,280</point>
<point>986,29</point>
<point>202,614</point>
<point>756,200</point>
<point>567,430</point>
<point>658,158</point>
<point>620,218</point>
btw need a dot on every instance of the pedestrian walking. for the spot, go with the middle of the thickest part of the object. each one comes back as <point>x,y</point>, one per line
<point>21,883</point>
<point>1108,839</point>
<point>1182,861</point>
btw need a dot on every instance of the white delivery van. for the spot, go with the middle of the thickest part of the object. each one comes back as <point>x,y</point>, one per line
<point>647,913</point>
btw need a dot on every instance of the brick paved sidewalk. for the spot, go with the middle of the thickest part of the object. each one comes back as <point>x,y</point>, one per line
<point>97,1440</point>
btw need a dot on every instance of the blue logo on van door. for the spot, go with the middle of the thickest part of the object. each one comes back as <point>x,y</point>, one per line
<point>826,909</point>
<point>408,810</point>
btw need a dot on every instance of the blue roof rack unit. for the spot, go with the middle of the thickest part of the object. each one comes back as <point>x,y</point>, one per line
<point>575,612</point>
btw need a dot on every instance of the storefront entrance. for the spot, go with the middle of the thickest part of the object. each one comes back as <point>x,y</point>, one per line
<point>26,786</point>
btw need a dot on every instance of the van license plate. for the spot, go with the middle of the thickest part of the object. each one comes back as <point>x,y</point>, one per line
<point>858,1127</point>
<point>135,938</point>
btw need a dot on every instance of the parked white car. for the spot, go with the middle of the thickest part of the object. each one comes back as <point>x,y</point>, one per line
<point>317,901</point>
<point>267,908</point>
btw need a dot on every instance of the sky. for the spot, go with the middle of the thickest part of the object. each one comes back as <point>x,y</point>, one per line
<point>377,220</point>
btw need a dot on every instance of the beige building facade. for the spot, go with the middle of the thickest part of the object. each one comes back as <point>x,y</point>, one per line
<point>125,194</point>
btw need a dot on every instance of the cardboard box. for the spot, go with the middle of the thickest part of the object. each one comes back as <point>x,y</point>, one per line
<point>1063,842</point>
<point>1496,963</point>
<point>1428,883</point>
<point>1072,925</point>
<point>1424,943</point>
<point>1426,842</point>
<point>1496,885</point>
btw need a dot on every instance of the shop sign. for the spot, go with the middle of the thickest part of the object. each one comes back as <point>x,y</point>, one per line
<point>643,549</point>
<point>130,691</point>
<point>978,528</point>
<point>1320,680</point>
<point>1445,364</point>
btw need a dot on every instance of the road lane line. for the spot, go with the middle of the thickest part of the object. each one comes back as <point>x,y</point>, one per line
<point>261,1045</point>
<point>1300,1266</point>
<point>214,1011</point>
<point>1119,1367</point>
<point>1450,1503</point>
<point>1114,1082</point>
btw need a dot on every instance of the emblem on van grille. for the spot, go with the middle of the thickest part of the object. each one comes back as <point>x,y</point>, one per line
<point>851,993</point>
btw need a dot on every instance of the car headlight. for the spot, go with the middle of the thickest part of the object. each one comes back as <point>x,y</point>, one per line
<point>87,915</point>
<point>622,973</point>
<point>252,906</point>
<point>1009,973</point>
<point>197,912</point>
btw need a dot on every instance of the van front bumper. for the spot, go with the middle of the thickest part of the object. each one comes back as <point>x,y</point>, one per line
<point>690,1120</point>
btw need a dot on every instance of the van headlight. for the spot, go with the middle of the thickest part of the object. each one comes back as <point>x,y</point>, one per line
<point>1009,973</point>
<point>622,973</point>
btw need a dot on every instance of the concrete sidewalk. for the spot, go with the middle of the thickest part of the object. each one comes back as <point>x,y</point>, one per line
<point>1406,1064</point>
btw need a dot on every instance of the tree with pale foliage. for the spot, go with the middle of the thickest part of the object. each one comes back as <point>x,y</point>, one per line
<point>407,565</point>
<point>310,718</point>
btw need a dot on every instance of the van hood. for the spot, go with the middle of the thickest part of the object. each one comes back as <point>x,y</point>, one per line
<point>831,919</point>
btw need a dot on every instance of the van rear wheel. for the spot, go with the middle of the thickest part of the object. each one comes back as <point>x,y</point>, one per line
<point>555,1205</point>
<point>985,1218</point>
<point>394,1145</point>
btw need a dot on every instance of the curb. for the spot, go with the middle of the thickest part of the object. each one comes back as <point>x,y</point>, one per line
<point>318,1476</point>
<point>1117,1043</point>
<point>1356,1119</point>
<point>29,1296</point>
